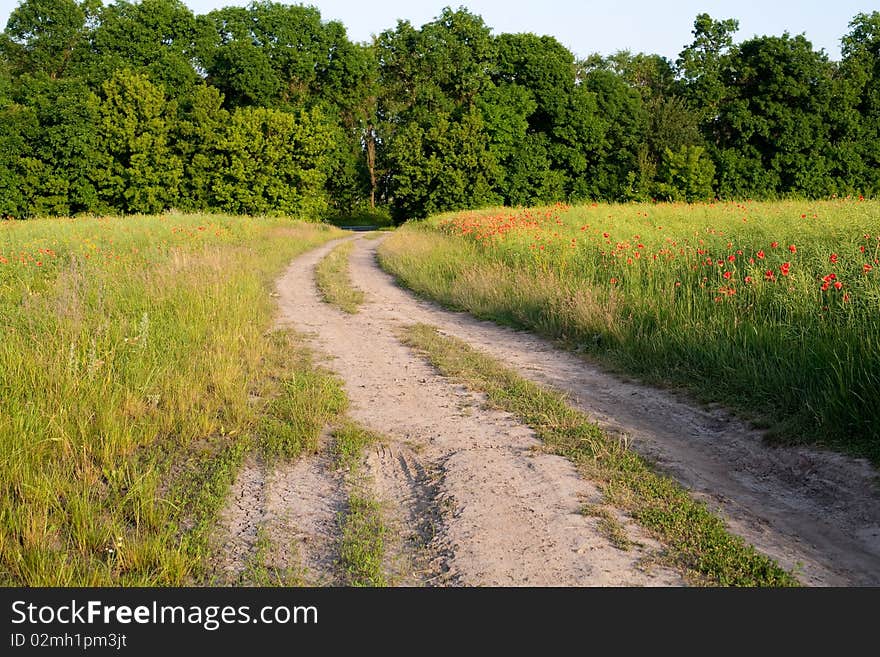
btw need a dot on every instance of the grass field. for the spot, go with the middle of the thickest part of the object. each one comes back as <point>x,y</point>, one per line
<point>770,308</point>
<point>136,370</point>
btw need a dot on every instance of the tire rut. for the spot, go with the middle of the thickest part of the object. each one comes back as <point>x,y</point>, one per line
<point>303,503</point>
<point>407,490</point>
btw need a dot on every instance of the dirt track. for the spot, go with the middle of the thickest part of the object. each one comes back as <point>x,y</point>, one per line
<point>474,501</point>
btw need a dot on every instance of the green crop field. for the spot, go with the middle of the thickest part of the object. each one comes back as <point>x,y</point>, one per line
<point>772,308</point>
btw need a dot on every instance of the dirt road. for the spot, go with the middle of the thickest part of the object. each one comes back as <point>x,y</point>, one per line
<point>472,498</point>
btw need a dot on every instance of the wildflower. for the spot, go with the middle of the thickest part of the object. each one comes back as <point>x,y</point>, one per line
<point>866,268</point>
<point>769,275</point>
<point>838,285</point>
<point>773,245</point>
<point>792,248</point>
<point>760,255</point>
<point>727,275</point>
<point>748,279</point>
<point>784,268</point>
<point>833,259</point>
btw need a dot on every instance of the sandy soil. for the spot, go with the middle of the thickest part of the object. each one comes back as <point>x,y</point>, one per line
<point>472,498</point>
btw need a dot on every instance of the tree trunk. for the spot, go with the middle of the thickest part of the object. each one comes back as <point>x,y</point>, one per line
<point>371,163</point>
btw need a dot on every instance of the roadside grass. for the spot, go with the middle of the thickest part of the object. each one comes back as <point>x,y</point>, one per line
<point>334,282</point>
<point>767,308</point>
<point>362,528</point>
<point>136,372</point>
<point>610,525</point>
<point>696,539</point>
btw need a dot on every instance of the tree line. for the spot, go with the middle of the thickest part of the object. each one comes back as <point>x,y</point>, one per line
<point>137,107</point>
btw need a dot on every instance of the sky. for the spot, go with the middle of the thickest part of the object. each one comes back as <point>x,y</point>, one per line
<point>586,26</point>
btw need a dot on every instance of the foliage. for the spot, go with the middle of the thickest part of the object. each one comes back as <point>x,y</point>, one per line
<point>685,175</point>
<point>139,106</point>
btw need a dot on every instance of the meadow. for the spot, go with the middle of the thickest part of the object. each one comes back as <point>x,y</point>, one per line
<point>137,368</point>
<point>769,308</point>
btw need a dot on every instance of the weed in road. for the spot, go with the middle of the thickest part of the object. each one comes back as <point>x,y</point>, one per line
<point>334,282</point>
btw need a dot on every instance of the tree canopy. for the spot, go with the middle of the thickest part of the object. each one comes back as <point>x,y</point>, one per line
<point>141,106</point>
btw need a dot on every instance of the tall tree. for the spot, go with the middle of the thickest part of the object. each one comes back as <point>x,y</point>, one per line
<point>158,38</point>
<point>857,104</point>
<point>772,127</point>
<point>141,174</point>
<point>700,64</point>
<point>41,35</point>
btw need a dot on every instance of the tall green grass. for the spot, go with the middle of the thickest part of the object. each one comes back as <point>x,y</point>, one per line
<point>135,368</point>
<point>681,294</point>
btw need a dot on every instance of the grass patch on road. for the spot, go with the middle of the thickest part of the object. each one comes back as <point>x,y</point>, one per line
<point>334,281</point>
<point>362,528</point>
<point>697,539</point>
<point>362,545</point>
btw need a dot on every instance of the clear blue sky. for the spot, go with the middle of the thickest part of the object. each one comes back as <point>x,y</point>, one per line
<point>587,26</point>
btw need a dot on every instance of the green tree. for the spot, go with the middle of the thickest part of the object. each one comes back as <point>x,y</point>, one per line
<point>21,174</point>
<point>544,67</point>
<point>685,175</point>
<point>198,136</point>
<point>435,150</point>
<point>139,172</point>
<point>69,118</point>
<point>615,171</point>
<point>158,38</point>
<point>273,162</point>
<point>42,35</point>
<point>856,119</point>
<point>701,63</point>
<point>773,123</point>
